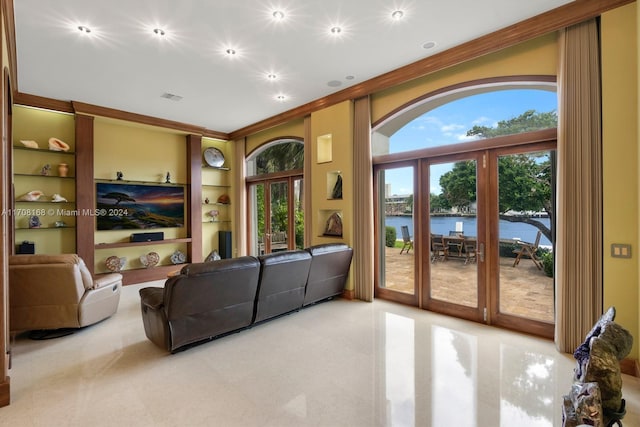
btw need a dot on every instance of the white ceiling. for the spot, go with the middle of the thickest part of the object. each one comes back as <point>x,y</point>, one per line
<point>121,64</point>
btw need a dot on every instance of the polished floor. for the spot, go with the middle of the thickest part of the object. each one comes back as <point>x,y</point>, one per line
<point>340,363</point>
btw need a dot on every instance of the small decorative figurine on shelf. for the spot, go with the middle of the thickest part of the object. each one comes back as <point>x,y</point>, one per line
<point>34,222</point>
<point>119,176</point>
<point>63,169</point>
<point>206,200</point>
<point>214,215</point>
<point>168,180</point>
<point>56,198</point>
<point>213,256</point>
<point>46,170</point>
<point>60,224</point>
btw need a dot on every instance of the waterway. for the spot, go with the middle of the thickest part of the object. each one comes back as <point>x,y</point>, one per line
<point>444,224</point>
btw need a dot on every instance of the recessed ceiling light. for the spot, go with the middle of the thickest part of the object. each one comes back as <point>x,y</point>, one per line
<point>429,45</point>
<point>335,30</point>
<point>397,15</point>
<point>281,97</point>
<point>272,76</point>
<point>334,83</point>
<point>230,51</point>
<point>278,15</point>
<point>159,32</point>
<point>349,77</point>
<point>84,29</point>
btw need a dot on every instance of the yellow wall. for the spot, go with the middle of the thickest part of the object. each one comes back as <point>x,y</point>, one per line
<point>336,121</point>
<point>538,56</point>
<point>620,163</point>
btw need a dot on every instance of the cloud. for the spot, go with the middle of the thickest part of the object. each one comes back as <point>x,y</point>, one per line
<point>463,137</point>
<point>451,127</point>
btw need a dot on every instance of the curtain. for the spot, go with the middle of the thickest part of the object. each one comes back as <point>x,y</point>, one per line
<point>240,198</point>
<point>579,198</point>
<point>363,261</point>
<point>307,182</point>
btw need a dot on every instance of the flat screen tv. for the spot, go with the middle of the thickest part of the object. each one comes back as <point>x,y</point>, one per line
<point>138,206</point>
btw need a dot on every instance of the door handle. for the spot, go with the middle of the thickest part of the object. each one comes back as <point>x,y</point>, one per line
<point>481,252</point>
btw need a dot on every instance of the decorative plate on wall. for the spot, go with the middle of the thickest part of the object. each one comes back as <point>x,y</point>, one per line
<point>213,157</point>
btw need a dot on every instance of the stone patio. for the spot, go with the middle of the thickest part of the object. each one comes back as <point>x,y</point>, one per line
<point>525,291</point>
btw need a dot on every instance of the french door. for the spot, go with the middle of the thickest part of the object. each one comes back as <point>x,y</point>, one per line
<point>275,215</point>
<point>477,254</point>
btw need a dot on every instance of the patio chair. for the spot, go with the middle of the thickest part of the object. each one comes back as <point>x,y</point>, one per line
<point>407,242</point>
<point>528,250</point>
<point>470,251</point>
<point>455,243</point>
<point>439,251</point>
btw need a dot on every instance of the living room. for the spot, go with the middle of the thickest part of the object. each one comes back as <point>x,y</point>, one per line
<point>133,141</point>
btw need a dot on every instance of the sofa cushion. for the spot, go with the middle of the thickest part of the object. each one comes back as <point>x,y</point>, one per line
<point>330,266</point>
<point>283,279</point>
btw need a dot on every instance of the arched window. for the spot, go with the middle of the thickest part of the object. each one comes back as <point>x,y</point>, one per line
<point>462,116</point>
<point>275,191</point>
<point>277,156</point>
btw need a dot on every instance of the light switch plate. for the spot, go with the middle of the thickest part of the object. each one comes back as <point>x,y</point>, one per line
<point>620,250</point>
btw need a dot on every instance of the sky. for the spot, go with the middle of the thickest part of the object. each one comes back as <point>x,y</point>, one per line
<point>448,124</point>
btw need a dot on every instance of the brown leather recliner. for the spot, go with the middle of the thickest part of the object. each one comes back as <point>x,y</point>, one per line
<point>283,279</point>
<point>202,302</point>
<point>57,291</point>
<point>330,264</point>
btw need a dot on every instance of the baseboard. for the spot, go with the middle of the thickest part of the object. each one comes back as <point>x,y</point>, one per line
<point>348,294</point>
<point>5,396</point>
<point>630,367</point>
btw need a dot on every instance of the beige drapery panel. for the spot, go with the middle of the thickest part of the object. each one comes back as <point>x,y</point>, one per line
<point>579,203</point>
<point>240,198</point>
<point>307,182</point>
<point>362,202</point>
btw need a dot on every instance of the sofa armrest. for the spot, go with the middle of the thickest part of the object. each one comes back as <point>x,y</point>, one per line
<point>103,281</point>
<point>152,297</point>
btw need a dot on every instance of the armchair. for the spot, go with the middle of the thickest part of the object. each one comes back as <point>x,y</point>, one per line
<point>57,291</point>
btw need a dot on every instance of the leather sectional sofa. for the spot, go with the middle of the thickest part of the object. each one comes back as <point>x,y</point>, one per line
<point>211,299</point>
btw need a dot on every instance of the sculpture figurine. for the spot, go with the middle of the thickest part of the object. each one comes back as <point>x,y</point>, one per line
<point>119,176</point>
<point>168,180</point>
<point>46,169</point>
<point>595,398</point>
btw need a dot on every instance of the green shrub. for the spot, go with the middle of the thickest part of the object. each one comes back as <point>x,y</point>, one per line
<point>390,236</point>
<point>506,249</point>
<point>547,262</point>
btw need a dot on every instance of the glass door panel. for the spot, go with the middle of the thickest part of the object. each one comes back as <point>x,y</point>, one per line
<point>399,244</point>
<point>525,282</point>
<point>257,219</point>
<point>298,213</point>
<point>453,233</point>
<point>278,234</point>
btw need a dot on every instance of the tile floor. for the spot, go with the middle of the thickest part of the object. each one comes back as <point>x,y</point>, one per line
<point>340,363</point>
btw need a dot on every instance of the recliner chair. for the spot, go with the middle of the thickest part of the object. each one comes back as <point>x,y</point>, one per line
<point>57,291</point>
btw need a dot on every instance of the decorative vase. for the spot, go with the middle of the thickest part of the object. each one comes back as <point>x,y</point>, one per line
<point>63,169</point>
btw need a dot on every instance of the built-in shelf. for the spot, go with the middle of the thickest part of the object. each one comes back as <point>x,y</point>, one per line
<point>221,168</point>
<point>68,202</point>
<point>152,242</point>
<point>138,275</point>
<point>324,152</point>
<point>43,150</point>
<point>127,181</point>
<point>45,228</point>
<point>39,175</point>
